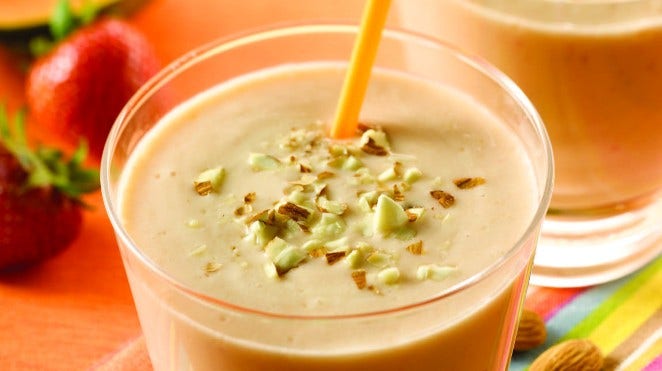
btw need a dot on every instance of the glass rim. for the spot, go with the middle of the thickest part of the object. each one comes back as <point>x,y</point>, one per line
<point>305,28</point>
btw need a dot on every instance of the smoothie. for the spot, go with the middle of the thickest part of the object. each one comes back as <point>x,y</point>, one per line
<point>306,253</point>
<point>592,69</point>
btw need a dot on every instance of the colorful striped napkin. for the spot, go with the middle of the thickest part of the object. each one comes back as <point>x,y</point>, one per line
<point>623,318</point>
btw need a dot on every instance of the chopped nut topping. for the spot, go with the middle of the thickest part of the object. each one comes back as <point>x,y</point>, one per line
<point>294,211</point>
<point>397,168</point>
<point>317,253</point>
<point>389,276</point>
<point>241,210</point>
<point>411,216</point>
<point>359,277</point>
<point>203,188</point>
<point>416,248</point>
<point>212,267</point>
<point>325,175</point>
<point>304,169</point>
<point>334,256</point>
<point>397,194</point>
<point>363,127</point>
<point>209,181</point>
<point>445,199</point>
<point>372,148</point>
<point>467,183</point>
<point>250,197</point>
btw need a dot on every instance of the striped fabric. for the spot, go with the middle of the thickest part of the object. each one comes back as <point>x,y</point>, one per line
<point>623,318</point>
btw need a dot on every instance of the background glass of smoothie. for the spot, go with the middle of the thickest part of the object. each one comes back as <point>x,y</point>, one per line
<point>468,324</point>
<point>593,70</point>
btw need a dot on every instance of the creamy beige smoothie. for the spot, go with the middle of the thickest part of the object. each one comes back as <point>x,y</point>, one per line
<point>239,195</point>
<point>593,71</point>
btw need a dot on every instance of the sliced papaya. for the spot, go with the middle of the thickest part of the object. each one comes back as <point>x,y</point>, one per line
<point>23,15</point>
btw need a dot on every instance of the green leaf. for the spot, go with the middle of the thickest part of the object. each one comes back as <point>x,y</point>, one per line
<point>47,166</point>
<point>88,13</point>
<point>40,45</point>
<point>62,21</point>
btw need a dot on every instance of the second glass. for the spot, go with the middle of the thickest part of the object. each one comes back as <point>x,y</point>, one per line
<point>593,70</point>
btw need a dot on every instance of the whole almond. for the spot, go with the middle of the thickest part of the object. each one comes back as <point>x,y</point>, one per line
<point>531,331</point>
<point>570,355</point>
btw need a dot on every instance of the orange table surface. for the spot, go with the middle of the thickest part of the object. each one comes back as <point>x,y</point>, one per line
<point>75,310</point>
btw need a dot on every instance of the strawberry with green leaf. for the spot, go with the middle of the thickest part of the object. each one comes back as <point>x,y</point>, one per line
<point>87,74</point>
<point>40,190</point>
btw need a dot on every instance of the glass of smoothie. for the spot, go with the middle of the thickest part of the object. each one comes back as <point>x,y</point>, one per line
<point>593,70</point>
<point>252,241</point>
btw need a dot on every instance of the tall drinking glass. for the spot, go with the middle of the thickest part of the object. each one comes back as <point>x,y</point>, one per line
<point>593,70</point>
<point>467,326</point>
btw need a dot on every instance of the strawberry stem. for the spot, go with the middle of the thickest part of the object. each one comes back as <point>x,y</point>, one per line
<point>63,22</point>
<point>47,166</point>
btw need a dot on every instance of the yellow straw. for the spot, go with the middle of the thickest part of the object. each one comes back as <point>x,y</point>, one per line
<point>358,74</point>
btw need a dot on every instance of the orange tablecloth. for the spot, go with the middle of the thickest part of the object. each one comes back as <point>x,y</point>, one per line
<point>75,311</point>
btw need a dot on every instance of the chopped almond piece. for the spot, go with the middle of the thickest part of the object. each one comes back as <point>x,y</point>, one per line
<point>250,197</point>
<point>304,169</point>
<point>467,183</point>
<point>294,211</point>
<point>445,199</point>
<point>203,188</point>
<point>325,175</point>
<point>359,277</point>
<point>416,248</point>
<point>373,149</point>
<point>334,256</point>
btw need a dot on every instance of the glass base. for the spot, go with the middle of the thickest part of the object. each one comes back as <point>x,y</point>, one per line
<point>588,252</point>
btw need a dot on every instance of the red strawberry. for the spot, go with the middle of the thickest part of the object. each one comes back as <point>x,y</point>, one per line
<point>77,89</point>
<point>40,213</point>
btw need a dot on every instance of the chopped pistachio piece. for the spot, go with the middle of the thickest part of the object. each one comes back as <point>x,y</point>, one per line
<point>354,259</point>
<point>411,175</point>
<point>261,233</point>
<point>363,176</point>
<point>389,216</point>
<point>209,181</point>
<point>329,226</point>
<point>330,206</point>
<point>270,270</point>
<point>275,247</point>
<point>388,174</point>
<point>379,260</point>
<point>364,205</point>
<point>365,248</point>
<point>352,163</point>
<point>262,162</point>
<point>288,259</point>
<point>284,255</point>
<point>340,244</point>
<point>434,272</point>
<point>389,276</point>
<point>312,244</point>
<point>404,233</point>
